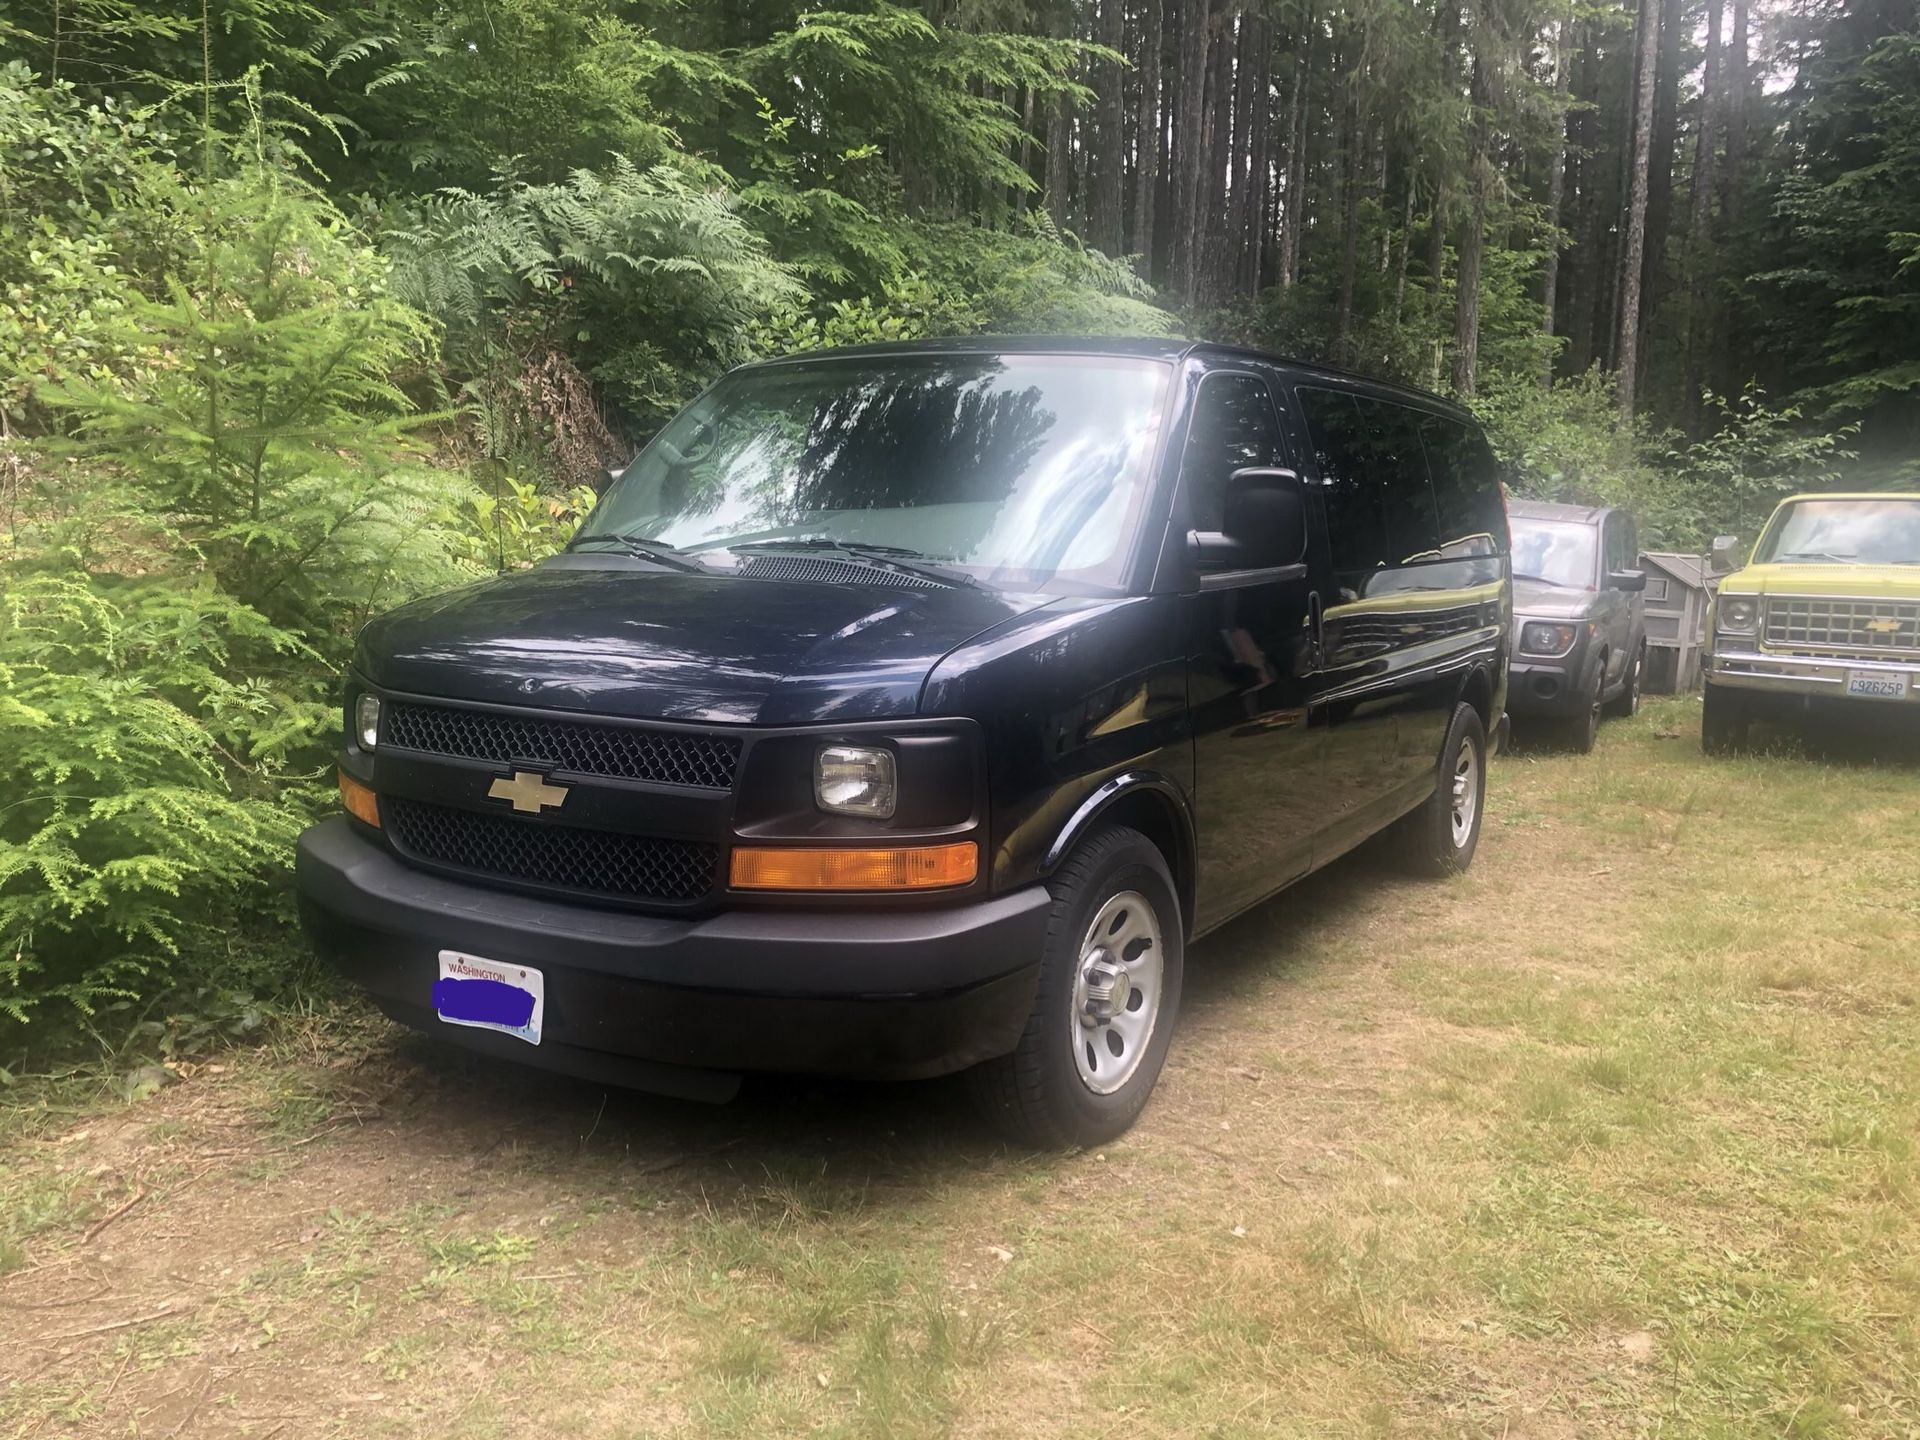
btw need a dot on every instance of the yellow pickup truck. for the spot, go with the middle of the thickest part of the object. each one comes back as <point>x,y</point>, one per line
<point>1824,616</point>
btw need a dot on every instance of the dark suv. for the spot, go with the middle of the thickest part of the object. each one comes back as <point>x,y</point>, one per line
<point>1579,620</point>
<point>910,709</point>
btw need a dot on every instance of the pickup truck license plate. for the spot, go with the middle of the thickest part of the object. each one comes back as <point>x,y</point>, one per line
<point>490,995</point>
<point>1877,685</point>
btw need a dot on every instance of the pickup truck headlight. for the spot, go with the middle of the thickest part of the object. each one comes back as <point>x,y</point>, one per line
<point>366,721</point>
<point>855,780</point>
<point>1540,637</point>
<point>1738,613</point>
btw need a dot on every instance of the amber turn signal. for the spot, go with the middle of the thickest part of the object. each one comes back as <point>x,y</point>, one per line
<point>918,867</point>
<point>361,802</point>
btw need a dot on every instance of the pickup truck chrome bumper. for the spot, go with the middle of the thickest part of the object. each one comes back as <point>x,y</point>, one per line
<point>1803,674</point>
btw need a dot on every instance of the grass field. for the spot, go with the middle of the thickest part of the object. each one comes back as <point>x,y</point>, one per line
<point>1615,1136</point>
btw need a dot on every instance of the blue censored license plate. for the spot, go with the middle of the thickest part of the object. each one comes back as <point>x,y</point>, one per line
<point>1877,684</point>
<point>490,995</point>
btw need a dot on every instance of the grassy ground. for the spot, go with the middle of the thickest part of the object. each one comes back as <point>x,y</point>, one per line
<point>1616,1136</point>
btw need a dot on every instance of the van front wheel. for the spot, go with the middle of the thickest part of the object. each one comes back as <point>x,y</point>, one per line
<point>1108,997</point>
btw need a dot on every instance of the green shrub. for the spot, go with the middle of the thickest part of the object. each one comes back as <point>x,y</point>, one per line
<point>144,796</point>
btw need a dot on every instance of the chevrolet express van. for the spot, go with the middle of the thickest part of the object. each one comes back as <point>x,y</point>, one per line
<point>912,709</point>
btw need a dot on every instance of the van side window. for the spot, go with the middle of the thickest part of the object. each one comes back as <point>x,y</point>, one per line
<point>1233,427</point>
<point>1356,522</point>
<point>1466,488</point>
<point>1398,466</point>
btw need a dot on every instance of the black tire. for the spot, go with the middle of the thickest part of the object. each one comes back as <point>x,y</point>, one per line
<point>1724,722</point>
<point>1580,731</point>
<point>1036,1094</point>
<point>1626,704</point>
<point>1424,840</point>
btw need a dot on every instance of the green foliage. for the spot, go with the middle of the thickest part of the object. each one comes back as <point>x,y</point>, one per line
<point>1566,443</point>
<point>141,808</point>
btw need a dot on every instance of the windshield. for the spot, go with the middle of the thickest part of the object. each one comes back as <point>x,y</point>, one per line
<point>1558,551</point>
<point>1845,532</point>
<point>1026,471</point>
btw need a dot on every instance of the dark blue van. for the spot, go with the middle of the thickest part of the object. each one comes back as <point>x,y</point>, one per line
<point>910,709</point>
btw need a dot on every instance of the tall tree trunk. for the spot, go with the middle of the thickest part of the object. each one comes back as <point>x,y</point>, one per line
<point>1059,162</point>
<point>1188,146</point>
<point>1146,132</point>
<point>1666,119</point>
<point>1585,172</point>
<point>1253,227</point>
<point>1406,247</point>
<point>1346,144</point>
<point>1634,250</point>
<point>1295,216</point>
<point>1215,198</point>
<point>1700,238</point>
<point>1556,194</point>
<point>1108,161</point>
<point>1466,321</point>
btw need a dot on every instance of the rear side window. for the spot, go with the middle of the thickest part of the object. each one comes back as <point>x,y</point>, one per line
<point>1233,427</point>
<point>1466,488</point>
<point>1356,518</point>
<point>1398,463</point>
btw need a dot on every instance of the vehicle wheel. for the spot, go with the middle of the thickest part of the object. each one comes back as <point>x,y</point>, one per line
<point>1723,723</point>
<point>1440,837</point>
<point>1108,998</point>
<point>1579,732</point>
<point>1627,703</point>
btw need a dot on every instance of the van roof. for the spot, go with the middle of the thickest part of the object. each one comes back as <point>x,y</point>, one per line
<point>1135,346</point>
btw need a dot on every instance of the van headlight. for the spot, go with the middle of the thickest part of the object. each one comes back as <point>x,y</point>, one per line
<point>1739,613</point>
<point>366,721</point>
<point>855,780</point>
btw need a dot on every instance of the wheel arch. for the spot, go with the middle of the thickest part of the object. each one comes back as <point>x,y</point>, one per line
<point>1477,690</point>
<point>1150,803</point>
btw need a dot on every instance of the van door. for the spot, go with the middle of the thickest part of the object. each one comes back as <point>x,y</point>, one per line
<point>1359,701</point>
<point>1250,661</point>
<point>1415,604</point>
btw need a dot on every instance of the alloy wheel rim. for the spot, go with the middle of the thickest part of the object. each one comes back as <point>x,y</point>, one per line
<point>1466,793</point>
<point>1117,983</point>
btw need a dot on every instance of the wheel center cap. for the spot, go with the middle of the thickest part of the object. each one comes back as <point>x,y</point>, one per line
<point>1108,988</point>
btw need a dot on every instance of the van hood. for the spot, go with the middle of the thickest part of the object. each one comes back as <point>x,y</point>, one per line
<point>615,636</point>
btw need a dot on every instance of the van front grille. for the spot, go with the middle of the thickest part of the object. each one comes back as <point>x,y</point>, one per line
<point>627,752</point>
<point>583,862</point>
<point>1796,622</point>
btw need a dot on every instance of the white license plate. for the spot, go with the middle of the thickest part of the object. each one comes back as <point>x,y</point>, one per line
<point>490,995</point>
<point>1876,685</point>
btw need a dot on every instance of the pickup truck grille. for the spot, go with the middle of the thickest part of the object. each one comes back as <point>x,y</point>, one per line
<point>1797,622</point>
<point>627,752</point>
<point>582,862</point>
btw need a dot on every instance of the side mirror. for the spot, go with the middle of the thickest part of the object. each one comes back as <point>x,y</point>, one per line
<point>1263,523</point>
<point>1631,581</point>
<point>1725,555</point>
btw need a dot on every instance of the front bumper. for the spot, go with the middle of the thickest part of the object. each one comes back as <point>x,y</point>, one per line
<point>1539,686</point>
<point>1809,676</point>
<point>683,1006</point>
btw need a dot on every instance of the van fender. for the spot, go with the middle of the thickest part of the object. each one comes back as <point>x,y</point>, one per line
<point>1113,791</point>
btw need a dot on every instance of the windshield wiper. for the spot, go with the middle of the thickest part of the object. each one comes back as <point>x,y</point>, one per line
<point>1816,555</point>
<point>1541,579</point>
<point>893,557</point>
<point>658,551</point>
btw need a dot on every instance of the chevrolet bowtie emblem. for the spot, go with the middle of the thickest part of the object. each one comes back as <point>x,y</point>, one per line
<point>528,792</point>
<point>1885,626</point>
